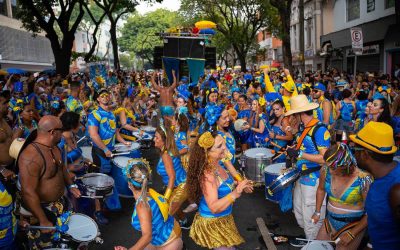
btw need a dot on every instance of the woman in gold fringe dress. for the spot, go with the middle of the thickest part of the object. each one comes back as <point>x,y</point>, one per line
<point>213,187</point>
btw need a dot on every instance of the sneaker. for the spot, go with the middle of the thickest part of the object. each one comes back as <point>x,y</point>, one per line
<point>298,243</point>
<point>100,218</point>
<point>192,207</point>
<point>184,224</point>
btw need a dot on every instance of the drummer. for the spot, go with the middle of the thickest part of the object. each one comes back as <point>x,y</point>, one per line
<point>103,132</point>
<point>150,216</point>
<point>43,179</point>
<point>311,144</point>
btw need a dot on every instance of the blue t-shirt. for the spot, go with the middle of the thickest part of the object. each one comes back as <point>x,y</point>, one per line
<point>74,105</point>
<point>383,230</point>
<point>8,223</point>
<point>322,139</point>
<point>106,124</point>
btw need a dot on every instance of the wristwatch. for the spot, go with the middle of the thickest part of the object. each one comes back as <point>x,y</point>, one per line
<point>317,213</point>
<point>72,186</point>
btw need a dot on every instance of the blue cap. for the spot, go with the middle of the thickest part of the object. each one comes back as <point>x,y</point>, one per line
<point>18,87</point>
<point>320,86</point>
<point>378,95</point>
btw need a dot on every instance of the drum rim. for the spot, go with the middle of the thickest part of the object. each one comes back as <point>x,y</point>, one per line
<point>258,157</point>
<point>279,178</point>
<point>97,227</point>
<point>119,166</point>
<point>95,187</point>
<point>133,146</point>
<point>279,163</point>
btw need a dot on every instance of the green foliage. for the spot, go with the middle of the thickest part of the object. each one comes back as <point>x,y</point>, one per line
<point>126,61</point>
<point>237,20</point>
<point>139,32</point>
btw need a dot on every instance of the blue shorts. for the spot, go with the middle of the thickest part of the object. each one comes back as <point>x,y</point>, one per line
<point>167,110</point>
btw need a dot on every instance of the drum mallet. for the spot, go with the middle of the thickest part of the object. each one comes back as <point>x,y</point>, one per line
<point>281,153</point>
<point>124,153</point>
<point>329,241</point>
<point>41,227</point>
<point>91,197</point>
<point>275,145</point>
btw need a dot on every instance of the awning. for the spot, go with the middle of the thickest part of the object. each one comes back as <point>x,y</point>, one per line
<point>372,31</point>
<point>275,64</point>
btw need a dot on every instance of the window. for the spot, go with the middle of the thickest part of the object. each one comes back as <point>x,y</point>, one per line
<point>14,8</point>
<point>353,9</point>
<point>389,3</point>
<point>3,7</point>
<point>370,5</point>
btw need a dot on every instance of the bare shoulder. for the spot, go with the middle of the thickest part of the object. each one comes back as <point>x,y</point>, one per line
<point>30,162</point>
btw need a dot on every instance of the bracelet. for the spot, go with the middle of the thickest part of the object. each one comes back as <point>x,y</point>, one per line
<point>168,193</point>
<point>317,213</point>
<point>300,154</point>
<point>238,177</point>
<point>72,186</point>
<point>105,150</point>
<point>230,197</point>
<point>350,235</point>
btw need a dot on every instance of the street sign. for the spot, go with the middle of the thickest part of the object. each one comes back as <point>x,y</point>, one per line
<point>356,40</point>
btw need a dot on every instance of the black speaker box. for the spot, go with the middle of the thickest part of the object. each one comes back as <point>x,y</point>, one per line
<point>211,58</point>
<point>184,47</point>
<point>157,57</point>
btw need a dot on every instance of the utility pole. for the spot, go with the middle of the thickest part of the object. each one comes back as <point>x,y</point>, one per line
<point>301,37</point>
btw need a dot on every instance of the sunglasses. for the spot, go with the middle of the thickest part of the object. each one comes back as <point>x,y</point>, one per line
<point>104,95</point>
<point>315,91</point>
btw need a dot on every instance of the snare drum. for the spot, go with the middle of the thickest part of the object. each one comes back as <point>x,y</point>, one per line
<point>82,228</point>
<point>87,153</point>
<point>272,172</point>
<point>317,245</point>
<point>149,130</point>
<point>121,182</point>
<point>133,149</point>
<point>255,160</point>
<point>285,177</point>
<point>96,184</point>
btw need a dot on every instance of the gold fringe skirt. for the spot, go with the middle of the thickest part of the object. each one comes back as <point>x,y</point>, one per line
<point>185,161</point>
<point>179,194</point>
<point>215,232</point>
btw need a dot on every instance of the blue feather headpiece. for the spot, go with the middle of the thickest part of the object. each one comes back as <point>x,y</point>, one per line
<point>213,113</point>
<point>183,92</point>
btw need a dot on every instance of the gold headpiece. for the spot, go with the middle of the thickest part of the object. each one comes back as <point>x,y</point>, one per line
<point>206,140</point>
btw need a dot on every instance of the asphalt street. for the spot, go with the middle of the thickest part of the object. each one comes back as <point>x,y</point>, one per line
<point>246,210</point>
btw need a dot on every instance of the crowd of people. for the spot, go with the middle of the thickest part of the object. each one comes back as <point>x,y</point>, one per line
<point>339,132</point>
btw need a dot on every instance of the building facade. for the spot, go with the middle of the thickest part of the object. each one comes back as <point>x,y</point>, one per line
<point>18,48</point>
<point>381,35</point>
<point>270,49</point>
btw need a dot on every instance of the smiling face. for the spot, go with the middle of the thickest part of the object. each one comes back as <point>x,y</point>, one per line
<point>104,98</point>
<point>223,121</point>
<point>180,102</point>
<point>376,107</point>
<point>213,97</point>
<point>254,105</point>
<point>217,151</point>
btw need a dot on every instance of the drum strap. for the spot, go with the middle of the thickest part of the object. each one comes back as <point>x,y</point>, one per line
<point>307,129</point>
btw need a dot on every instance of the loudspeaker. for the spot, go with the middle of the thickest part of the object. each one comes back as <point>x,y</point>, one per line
<point>157,57</point>
<point>184,47</point>
<point>211,58</point>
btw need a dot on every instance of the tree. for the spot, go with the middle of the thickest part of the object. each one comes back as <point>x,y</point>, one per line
<point>126,61</point>
<point>54,17</point>
<point>237,20</point>
<point>138,35</point>
<point>284,9</point>
<point>115,10</point>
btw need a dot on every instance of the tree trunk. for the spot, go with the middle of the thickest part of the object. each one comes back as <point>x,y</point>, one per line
<point>62,56</point>
<point>93,45</point>
<point>114,43</point>
<point>287,52</point>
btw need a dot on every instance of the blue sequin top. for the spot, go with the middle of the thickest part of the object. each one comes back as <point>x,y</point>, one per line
<point>180,173</point>
<point>225,188</point>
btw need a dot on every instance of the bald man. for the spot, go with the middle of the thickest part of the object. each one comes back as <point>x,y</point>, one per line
<point>43,179</point>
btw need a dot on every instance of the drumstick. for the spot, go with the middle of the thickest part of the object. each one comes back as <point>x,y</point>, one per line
<point>281,153</point>
<point>275,145</point>
<point>329,241</point>
<point>124,153</point>
<point>91,197</point>
<point>41,227</point>
<point>81,139</point>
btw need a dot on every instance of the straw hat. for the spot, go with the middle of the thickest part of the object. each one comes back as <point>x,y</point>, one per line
<point>377,137</point>
<point>15,147</point>
<point>299,104</point>
<point>233,113</point>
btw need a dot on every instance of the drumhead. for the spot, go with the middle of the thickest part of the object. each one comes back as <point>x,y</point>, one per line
<point>148,128</point>
<point>122,161</point>
<point>258,153</point>
<point>87,153</point>
<point>317,245</point>
<point>275,168</point>
<point>120,147</point>
<point>396,158</point>
<point>82,228</point>
<point>97,180</point>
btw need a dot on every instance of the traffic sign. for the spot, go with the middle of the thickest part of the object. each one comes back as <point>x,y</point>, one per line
<point>356,40</point>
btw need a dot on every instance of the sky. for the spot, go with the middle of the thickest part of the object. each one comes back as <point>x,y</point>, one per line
<point>166,4</point>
